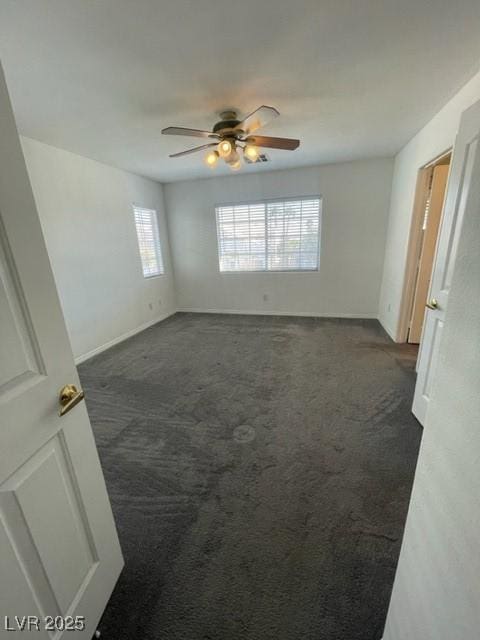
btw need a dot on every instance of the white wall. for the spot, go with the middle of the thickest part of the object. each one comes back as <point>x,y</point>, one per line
<point>355,203</point>
<point>86,214</point>
<point>436,595</point>
<point>437,136</point>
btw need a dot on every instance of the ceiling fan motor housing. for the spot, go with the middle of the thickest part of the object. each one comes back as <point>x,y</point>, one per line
<point>226,125</point>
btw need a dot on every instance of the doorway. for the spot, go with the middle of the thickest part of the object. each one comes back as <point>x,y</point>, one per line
<point>429,200</point>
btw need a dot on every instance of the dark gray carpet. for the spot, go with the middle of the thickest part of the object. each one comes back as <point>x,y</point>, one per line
<point>259,470</point>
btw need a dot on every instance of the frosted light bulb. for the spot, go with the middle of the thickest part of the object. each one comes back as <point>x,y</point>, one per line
<point>211,159</point>
<point>233,157</point>
<point>224,148</point>
<point>251,152</point>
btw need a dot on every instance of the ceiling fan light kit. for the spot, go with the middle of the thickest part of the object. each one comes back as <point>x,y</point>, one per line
<point>230,134</point>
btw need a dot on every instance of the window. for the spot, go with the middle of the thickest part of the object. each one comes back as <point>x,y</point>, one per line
<point>276,235</point>
<point>146,223</point>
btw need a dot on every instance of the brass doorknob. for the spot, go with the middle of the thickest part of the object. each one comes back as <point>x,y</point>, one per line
<point>69,397</point>
<point>433,304</point>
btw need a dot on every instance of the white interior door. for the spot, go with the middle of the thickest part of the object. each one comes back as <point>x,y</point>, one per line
<point>59,550</point>
<point>465,158</point>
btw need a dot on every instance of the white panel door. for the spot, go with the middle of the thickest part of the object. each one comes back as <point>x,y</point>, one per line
<point>465,161</point>
<point>59,550</point>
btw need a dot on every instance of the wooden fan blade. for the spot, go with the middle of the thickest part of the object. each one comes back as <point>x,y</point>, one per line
<point>289,144</point>
<point>194,150</point>
<point>259,118</point>
<point>182,131</point>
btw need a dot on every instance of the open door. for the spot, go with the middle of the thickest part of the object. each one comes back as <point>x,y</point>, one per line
<point>59,550</point>
<point>430,227</point>
<point>465,158</point>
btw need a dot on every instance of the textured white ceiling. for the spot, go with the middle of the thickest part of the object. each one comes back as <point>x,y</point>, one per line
<point>351,79</point>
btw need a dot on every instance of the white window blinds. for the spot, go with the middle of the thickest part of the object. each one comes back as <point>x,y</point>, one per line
<point>146,223</point>
<point>276,235</point>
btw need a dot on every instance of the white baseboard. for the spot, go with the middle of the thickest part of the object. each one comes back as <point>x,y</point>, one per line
<point>142,327</point>
<point>124,336</point>
<point>301,314</point>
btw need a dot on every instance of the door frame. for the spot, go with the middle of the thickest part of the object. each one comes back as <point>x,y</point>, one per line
<point>415,243</point>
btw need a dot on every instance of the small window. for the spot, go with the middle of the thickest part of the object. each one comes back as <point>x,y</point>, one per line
<point>146,223</point>
<point>275,235</point>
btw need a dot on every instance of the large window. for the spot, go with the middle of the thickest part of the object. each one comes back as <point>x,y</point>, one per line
<point>275,235</point>
<point>146,223</point>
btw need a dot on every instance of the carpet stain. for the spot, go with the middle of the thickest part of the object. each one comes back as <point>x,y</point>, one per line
<point>244,433</point>
<point>259,470</point>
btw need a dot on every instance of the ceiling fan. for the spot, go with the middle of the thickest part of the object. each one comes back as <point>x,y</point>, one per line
<point>230,134</point>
